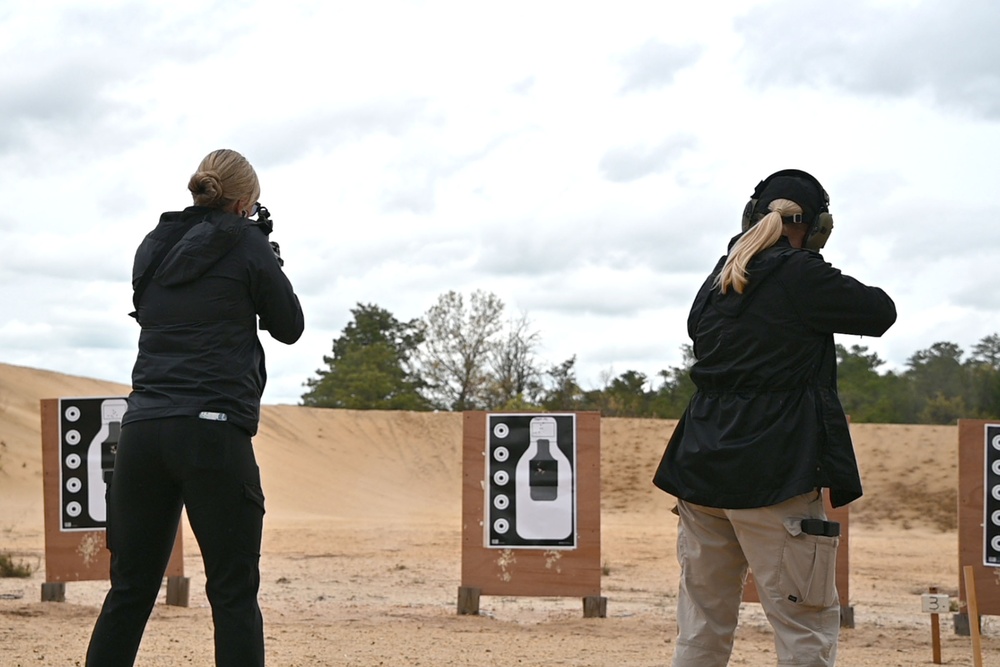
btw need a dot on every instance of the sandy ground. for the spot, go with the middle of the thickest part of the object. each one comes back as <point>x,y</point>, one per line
<point>362,551</point>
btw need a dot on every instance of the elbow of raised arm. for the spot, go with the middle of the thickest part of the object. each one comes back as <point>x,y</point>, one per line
<point>887,317</point>
<point>291,334</point>
<point>287,329</point>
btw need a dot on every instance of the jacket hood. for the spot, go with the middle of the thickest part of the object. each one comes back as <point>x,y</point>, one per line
<point>208,235</point>
<point>760,268</point>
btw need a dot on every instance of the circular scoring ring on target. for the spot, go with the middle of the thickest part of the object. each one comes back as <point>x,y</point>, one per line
<point>72,413</point>
<point>501,430</point>
<point>73,437</point>
<point>73,484</point>
<point>501,526</point>
<point>501,454</point>
<point>996,442</point>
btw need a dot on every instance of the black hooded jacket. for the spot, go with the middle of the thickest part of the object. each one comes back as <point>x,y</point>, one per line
<point>198,349</point>
<point>765,423</point>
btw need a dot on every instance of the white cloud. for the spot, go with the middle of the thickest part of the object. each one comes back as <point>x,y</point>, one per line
<point>655,64</point>
<point>586,165</point>
<point>944,51</point>
<point>630,163</point>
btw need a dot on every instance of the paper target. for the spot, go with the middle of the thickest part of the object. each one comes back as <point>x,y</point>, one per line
<point>991,504</point>
<point>88,439</point>
<point>530,481</point>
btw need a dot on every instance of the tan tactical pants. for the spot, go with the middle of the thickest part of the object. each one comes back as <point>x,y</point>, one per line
<point>795,575</point>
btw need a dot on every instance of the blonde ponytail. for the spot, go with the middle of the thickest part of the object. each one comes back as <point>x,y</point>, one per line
<point>762,235</point>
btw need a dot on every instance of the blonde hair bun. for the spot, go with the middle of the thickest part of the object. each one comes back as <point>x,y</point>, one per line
<point>206,188</point>
<point>224,178</point>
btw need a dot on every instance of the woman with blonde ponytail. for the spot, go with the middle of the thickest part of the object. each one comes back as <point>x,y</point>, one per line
<point>765,434</point>
<point>205,280</point>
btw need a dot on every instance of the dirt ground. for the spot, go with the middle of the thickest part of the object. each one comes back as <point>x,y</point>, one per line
<point>361,558</point>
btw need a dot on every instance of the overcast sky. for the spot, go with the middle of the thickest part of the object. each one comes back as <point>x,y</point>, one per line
<point>584,161</point>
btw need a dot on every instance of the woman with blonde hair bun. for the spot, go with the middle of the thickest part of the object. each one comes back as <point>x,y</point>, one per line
<point>204,281</point>
<point>765,432</point>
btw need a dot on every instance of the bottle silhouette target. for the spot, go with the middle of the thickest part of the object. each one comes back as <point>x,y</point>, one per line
<point>101,456</point>
<point>544,486</point>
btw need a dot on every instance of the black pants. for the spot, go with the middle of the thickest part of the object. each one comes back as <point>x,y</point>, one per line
<point>209,467</point>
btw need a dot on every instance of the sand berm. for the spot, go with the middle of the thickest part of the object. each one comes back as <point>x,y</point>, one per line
<point>361,557</point>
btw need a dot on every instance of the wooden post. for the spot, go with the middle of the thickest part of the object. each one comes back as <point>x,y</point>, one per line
<point>595,606</point>
<point>468,601</point>
<point>970,593</point>
<point>178,591</point>
<point>54,591</point>
<point>935,632</point>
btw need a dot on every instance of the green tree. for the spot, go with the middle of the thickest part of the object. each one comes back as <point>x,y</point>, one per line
<point>941,409</point>
<point>867,395</point>
<point>936,375</point>
<point>561,391</point>
<point>515,379</point>
<point>983,371</point>
<point>370,368</point>
<point>672,397</point>
<point>987,351</point>
<point>626,396</point>
<point>454,356</point>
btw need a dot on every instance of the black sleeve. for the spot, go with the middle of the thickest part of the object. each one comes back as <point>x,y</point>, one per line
<point>273,297</point>
<point>702,298</point>
<point>832,302</point>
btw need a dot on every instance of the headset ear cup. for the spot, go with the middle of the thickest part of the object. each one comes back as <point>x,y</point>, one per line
<point>820,232</point>
<point>747,213</point>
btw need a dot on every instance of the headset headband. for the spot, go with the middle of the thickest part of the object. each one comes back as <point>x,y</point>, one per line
<point>801,188</point>
<point>796,185</point>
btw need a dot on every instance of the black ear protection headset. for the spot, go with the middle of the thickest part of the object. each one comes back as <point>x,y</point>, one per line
<point>804,190</point>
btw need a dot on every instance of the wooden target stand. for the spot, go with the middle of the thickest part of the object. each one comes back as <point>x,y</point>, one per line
<point>842,516</point>
<point>978,519</point>
<point>519,570</point>
<point>72,552</point>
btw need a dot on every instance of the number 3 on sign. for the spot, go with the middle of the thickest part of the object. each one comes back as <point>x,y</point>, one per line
<point>934,604</point>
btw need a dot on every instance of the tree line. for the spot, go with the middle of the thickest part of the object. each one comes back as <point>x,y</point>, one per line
<point>466,353</point>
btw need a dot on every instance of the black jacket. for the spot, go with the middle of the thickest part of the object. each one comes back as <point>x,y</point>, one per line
<point>765,423</point>
<point>198,349</point>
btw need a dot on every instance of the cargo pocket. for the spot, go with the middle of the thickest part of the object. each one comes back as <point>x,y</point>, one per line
<point>808,570</point>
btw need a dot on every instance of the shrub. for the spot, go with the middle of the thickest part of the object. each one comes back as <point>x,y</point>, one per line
<point>8,568</point>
